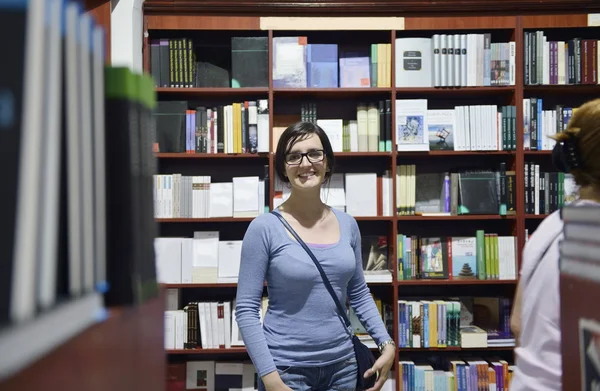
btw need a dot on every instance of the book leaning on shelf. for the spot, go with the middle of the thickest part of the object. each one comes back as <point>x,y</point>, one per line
<point>64,121</point>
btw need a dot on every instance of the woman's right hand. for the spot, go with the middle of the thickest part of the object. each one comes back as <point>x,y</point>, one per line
<point>273,382</point>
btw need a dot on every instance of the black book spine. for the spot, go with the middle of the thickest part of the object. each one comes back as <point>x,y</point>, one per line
<point>122,190</point>
<point>13,23</point>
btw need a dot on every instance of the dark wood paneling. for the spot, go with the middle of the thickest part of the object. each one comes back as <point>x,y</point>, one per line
<point>458,23</point>
<point>366,7</point>
<point>125,352</point>
<point>197,22</point>
<point>100,9</point>
<point>553,21</point>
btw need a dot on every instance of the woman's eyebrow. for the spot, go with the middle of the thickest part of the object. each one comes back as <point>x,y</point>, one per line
<point>301,150</point>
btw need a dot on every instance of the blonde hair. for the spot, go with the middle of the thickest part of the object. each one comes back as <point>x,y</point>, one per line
<point>584,127</point>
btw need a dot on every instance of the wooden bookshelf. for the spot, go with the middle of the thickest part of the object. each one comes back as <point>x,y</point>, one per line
<point>508,19</point>
<point>125,351</point>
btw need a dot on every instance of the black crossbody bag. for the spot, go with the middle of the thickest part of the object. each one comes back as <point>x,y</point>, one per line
<point>364,357</point>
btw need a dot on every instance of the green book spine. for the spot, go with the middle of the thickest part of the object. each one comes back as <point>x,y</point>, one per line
<point>480,242</point>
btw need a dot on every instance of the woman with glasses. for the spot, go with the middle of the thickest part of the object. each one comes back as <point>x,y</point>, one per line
<point>302,344</point>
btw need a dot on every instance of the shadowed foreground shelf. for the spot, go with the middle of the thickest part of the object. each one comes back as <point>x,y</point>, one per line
<point>124,352</point>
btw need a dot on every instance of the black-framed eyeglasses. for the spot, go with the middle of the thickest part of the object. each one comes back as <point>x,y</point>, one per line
<point>295,158</point>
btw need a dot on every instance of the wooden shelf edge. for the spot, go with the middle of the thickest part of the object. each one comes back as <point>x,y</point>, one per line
<point>232,350</point>
<point>455,349</point>
<point>332,90</point>
<point>26,343</point>
<point>260,155</point>
<point>458,217</point>
<point>357,218</point>
<point>230,285</point>
<point>455,282</point>
<point>364,8</point>
<point>206,220</point>
<point>535,217</point>
<point>562,89</point>
<point>178,155</point>
<point>452,153</point>
<point>212,90</point>
<point>236,350</point>
<point>452,90</point>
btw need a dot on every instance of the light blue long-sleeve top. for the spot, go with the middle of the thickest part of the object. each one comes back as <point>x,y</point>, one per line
<point>301,326</point>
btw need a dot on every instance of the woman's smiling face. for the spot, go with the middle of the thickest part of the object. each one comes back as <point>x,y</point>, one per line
<point>306,164</point>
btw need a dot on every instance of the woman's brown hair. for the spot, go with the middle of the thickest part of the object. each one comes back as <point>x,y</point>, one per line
<point>584,127</point>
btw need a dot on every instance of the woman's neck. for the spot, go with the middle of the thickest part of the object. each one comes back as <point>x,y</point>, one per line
<point>590,193</point>
<point>305,205</point>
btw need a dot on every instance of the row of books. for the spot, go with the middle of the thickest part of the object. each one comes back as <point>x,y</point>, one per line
<point>186,63</point>
<point>455,374</point>
<point>483,191</point>
<point>454,60</point>
<point>212,376</point>
<point>440,194</point>
<point>464,128</point>
<point>244,127</point>
<point>207,259</point>
<point>540,124</point>
<point>240,127</point>
<point>201,259</point>
<point>177,196</point>
<point>371,131</point>
<point>485,256</point>
<point>560,62</point>
<point>225,375</point>
<point>298,63</point>
<point>466,322</point>
<point>546,192</point>
<point>212,324</point>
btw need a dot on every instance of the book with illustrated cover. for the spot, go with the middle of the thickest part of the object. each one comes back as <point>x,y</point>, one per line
<point>375,255</point>
<point>434,258</point>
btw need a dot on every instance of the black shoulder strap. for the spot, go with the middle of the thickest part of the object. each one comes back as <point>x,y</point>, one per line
<point>328,286</point>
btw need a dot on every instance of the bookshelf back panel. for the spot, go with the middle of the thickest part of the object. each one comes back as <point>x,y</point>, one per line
<point>552,98</point>
<point>220,170</point>
<point>227,230</point>
<point>531,224</point>
<point>453,163</point>
<point>497,34</point>
<point>327,108</point>
<point>362,164</point>
<point>342,38</point>
<point>441,23</point>
<point>442,292</point>
<point>200,22</point>
<point>566,33</point>
<point>498,98</point>
<point>544,161</point>
<point>554,21</point>
<point>194,99</point>
<point>455,228</point>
